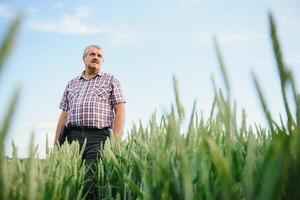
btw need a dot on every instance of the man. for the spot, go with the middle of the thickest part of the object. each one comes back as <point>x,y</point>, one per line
<point>92,104</point>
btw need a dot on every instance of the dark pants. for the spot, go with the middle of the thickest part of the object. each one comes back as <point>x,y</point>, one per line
<point>95,139</point>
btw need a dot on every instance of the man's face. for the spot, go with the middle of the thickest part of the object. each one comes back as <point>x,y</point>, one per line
<point>94,59</point>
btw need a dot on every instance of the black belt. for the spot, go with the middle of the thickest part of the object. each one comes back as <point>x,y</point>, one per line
<point>83,128</point>
<point>65,130</point>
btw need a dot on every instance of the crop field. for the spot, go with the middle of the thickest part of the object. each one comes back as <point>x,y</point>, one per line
<point>215,158</point>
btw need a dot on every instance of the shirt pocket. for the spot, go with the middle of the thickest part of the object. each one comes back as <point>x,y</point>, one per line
<point>73,93</point>
<point>101,92</point>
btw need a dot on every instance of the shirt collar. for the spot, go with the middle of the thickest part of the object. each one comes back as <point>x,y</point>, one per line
<point>98,74</point>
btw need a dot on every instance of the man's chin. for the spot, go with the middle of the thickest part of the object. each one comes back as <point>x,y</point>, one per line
<point>93,67</point>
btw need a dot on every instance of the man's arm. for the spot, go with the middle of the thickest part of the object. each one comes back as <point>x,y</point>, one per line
<point>61,122</point>
<point>119,119</point>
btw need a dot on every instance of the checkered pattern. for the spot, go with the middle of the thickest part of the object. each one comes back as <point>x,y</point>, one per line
<point>89,103</point>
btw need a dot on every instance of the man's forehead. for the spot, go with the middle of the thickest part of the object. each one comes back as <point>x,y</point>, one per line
<point>95,50</point>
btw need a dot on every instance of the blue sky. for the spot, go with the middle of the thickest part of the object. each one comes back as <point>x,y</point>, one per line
<point>145,42</point>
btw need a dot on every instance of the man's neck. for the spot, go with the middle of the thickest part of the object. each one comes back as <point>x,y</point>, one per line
<point>88,74</point>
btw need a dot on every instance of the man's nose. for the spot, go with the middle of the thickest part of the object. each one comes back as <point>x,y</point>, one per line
<point>96,57</point>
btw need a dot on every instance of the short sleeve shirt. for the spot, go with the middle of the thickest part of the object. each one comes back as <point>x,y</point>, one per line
<point>89,103</point>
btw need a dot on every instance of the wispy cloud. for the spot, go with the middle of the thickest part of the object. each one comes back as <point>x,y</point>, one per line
<point>83,12</point>
<point>239,37</point>
<point>202,37</point>
<point>226,38</point>
<point>129,35</point>
<point>76,24</point>
<point>31,9</point>
<point>67,24</point>
<point>57,5</point>
<point>286,13</point>
<point>181,2</point>
<point>289,22</point>
<point>190,2</point>
<point>294,61</point>
<point>5,12</point>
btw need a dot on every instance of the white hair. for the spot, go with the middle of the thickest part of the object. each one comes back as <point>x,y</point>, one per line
<point>86,50</point>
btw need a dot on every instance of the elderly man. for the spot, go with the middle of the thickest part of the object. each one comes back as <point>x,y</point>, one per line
<point>92,104</point>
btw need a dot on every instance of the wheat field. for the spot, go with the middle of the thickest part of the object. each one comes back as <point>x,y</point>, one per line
<point>215,158</point>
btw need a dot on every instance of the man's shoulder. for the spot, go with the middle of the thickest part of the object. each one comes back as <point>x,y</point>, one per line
<point>110,76</point>
<point>107,75</point>
<point>109,79</point>
<point>74,80</point>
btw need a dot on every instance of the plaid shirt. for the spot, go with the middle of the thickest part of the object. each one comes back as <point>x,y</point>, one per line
<point>89,103</point>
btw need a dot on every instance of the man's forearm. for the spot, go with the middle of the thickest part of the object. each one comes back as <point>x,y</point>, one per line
<point>61,122</point>
<point>58,131</point>
<point>119,119</point>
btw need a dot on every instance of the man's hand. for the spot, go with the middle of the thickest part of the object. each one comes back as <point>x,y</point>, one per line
<point>61,122</point>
